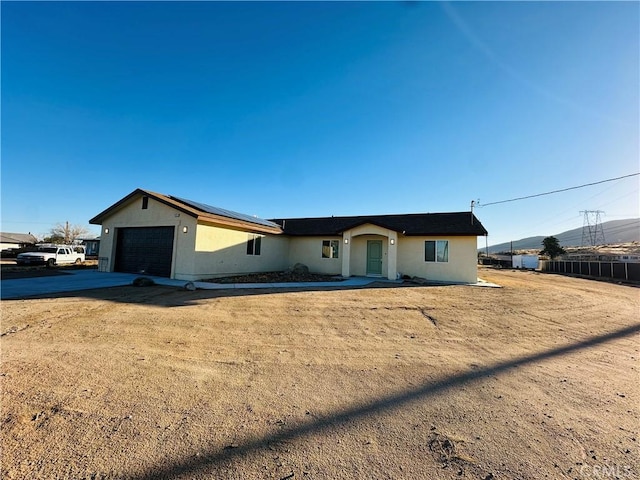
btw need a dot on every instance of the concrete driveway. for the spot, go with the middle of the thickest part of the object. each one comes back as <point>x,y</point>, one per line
<point>69,282</point>
<point>75,280</point>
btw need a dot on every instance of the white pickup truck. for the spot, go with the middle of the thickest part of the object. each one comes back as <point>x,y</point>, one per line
<point>51,255</point>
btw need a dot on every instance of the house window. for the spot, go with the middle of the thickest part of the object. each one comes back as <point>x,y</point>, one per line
<point>436,251</point>
<point>253,244</point>
<point>145,203</point>
<point>330,248</point>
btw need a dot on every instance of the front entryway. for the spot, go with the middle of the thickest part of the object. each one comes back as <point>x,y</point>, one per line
<point>374,257</point>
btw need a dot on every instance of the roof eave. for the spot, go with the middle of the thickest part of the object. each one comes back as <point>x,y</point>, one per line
<point>449,234</point>
<point>98,219</point>
<point>217,219</point>
<point>368,222</point>
<point>240,225</point>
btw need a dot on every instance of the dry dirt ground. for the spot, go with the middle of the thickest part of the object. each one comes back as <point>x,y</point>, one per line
<point>538,379</point>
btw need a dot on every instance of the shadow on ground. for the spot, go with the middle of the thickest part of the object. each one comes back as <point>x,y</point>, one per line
<point>193,465</point>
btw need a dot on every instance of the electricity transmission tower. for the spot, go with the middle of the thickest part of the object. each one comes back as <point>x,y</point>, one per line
<point>592,232</point>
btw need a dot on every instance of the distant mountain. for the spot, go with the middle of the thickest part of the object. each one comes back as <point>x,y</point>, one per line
<point>615,231</point>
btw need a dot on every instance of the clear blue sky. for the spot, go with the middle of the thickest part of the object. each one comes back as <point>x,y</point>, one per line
<point>316,109</point>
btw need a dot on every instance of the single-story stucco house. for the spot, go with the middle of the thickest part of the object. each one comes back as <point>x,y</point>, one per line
<point>16,240</point>
<point>156,234</point>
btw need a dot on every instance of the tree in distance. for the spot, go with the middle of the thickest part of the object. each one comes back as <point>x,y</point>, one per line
<point>65,233</point>
<point>552,247</point>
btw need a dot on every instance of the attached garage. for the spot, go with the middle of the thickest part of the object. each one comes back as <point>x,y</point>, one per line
<point>144,250</point>
<point>159,235</point>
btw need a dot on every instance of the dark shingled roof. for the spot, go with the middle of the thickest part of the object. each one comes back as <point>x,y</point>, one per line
<point>422,224</point>
<point>457,223</point>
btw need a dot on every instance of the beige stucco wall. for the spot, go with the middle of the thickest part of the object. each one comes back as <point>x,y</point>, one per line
<point>308,250</point>
<point>157,214</point>
<point>223,251</point>
<point>461,267</point>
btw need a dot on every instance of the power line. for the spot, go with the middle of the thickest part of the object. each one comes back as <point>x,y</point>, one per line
<point>575,237</point>
<point>556,221</point>
<point>592,231</point>
<point>558,191</point>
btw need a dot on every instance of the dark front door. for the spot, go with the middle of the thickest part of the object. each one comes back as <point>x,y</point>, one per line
<point>374,257</point>
<point>145,250</point>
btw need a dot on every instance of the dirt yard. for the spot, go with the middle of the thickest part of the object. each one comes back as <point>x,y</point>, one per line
<point>538,379</point>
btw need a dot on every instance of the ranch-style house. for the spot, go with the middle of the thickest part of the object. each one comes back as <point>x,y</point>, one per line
<point>163,235</point>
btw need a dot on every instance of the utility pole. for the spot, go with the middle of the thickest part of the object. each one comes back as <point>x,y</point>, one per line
<point>472,205</point>
<point>592,231</point>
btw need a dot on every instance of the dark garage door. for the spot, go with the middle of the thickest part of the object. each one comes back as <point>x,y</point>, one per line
<point>145,250</point>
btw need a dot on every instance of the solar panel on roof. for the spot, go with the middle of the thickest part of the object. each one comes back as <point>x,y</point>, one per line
<point>226,213</point>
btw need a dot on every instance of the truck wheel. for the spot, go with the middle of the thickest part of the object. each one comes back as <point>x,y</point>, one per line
<point>78,261</point>
<point>51,262</point>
